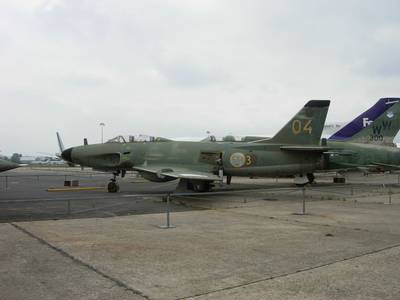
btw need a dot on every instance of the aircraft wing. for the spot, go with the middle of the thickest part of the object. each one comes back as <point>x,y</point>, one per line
<point>177,173</point>
<point>305,148</point>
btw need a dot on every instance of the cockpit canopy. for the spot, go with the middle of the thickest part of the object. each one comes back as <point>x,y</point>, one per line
<point>141,138</point>
<point>118,139</point>
<point>233,139</point>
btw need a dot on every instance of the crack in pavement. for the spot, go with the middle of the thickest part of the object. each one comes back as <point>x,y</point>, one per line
<point>80,262</point>
<point>291,273</point>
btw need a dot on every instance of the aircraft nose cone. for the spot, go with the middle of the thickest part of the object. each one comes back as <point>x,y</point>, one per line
<point>66,154</point>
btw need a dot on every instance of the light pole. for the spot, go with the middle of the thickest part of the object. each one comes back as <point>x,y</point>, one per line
<point>102,126</point>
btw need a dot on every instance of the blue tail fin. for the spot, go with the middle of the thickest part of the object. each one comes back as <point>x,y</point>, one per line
<point>363,120</point>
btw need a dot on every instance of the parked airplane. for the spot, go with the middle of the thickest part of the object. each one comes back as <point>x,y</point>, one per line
<point>294,150</point>
<point>366,143</point>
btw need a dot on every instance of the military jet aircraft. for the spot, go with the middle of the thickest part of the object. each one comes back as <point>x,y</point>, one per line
<point>7,165</point>
<point>366,143</point>
<point>294,150</point>
<point>381,134</point>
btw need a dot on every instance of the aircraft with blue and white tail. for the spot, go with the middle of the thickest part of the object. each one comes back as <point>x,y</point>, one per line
<point>372,126</point>
<point>366,143</point>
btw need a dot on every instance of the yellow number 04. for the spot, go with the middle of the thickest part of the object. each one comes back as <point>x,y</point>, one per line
<point>298,128</point>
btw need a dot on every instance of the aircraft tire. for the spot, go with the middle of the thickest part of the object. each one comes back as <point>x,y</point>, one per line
<point>310,177</point>
<point>201,186</point>
<point>112,187</point>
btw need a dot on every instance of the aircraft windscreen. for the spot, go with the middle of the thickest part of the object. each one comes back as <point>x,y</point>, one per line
<point>118,139</point>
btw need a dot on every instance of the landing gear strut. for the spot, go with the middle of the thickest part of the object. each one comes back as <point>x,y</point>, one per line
<point>113,186</point>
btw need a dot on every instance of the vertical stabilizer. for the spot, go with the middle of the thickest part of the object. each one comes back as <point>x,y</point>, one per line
<point>381,131</point>
<point>305,128</point>
<point>364,119</point>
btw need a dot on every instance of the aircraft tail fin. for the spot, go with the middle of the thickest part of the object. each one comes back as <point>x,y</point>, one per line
<point>381,131</point>
<point>351,129</point>
<point>305,128</point>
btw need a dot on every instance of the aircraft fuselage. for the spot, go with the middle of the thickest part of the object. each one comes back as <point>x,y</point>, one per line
<point>237,159</point>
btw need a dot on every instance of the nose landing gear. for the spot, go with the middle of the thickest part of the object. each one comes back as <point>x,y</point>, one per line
<point>113,186</point>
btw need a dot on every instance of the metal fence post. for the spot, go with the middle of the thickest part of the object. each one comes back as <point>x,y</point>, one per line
<point>168,225</point>
<point>69,207</point>
<point>168,211</point>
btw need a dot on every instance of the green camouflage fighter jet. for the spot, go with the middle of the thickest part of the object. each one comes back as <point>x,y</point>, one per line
<point>294,150</point>
<point>366,143</point>
<point>7,165</point>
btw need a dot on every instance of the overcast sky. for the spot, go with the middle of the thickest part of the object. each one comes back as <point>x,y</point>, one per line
<point>178,68</point>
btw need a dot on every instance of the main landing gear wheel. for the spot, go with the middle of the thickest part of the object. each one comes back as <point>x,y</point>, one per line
<point>311,177</point>
<point>301,180</point>
<point>201,186</point>
<point>112,187</point>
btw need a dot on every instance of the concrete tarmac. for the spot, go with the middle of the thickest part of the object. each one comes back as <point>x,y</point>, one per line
<point>248,245</point>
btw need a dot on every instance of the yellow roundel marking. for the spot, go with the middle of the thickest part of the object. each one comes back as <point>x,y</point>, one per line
<point>237,159</point>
